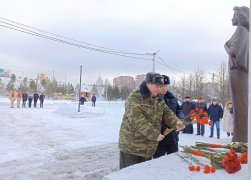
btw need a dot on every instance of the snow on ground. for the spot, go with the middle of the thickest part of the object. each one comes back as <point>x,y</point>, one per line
<point>57,142</point>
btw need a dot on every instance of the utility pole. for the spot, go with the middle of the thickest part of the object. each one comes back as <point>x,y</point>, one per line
<point>53,75</point>
<point>154,54</point>
<point>65,85</point>
<point>37,82</point>
<point>106,93</point>
<point>79,94</point>
<point>53,85</point>
<point>154,59</point>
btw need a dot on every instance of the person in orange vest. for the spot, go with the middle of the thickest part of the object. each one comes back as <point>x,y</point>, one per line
<point>12,98</point>
<point>19,95</point>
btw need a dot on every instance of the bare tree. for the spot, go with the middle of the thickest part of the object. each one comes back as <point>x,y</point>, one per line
<point>173,85</point>
<point>189,85</point>
<point>198,81</point>
<point>182,86</point>
<point>221,78</point>
<point>99,81</point>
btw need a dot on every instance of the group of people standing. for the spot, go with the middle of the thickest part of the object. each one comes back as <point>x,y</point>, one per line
<point>147,129</point>
<point>26,97</point>
<point>215,113</point>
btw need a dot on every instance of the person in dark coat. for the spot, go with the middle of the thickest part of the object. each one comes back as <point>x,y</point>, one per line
<point>93,100</point>
<point>82,100</point>
<point>24,99</point>
<point>201,105</point>
<point>30,98</point>
<point>170,143</point>
<point>41,99</point>
<point>36,96</point>
<point>187,106</point>
<point>215,113</point>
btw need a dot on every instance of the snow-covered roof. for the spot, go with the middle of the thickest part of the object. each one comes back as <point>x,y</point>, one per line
<point>86,88</point>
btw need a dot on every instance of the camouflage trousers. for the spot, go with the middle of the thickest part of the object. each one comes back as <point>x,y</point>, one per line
<point>130,159</point>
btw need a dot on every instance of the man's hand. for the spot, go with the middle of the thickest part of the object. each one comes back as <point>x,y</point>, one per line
<point>160,137</point>
<point>180,125</point>
<point>167,131</point>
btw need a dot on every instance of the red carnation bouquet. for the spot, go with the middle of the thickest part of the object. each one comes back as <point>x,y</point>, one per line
<point>229,161</point>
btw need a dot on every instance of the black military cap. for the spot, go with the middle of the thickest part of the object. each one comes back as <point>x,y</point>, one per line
<point>154,78</point>
<point>166,79</point>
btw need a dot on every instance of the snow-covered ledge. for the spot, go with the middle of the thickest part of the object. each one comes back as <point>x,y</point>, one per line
<point>173,167</point>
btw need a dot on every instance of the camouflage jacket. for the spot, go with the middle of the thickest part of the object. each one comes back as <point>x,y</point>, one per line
<point>142,122</point>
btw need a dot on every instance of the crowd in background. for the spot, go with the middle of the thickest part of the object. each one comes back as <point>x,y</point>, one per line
<point>24,97</point>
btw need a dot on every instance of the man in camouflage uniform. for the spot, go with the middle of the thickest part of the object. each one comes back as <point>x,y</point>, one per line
<point>141,124</point>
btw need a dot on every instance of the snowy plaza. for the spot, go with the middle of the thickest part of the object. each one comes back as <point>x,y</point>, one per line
<point>57,142</point>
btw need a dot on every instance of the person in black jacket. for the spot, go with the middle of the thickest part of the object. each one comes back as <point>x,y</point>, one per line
<point>170,143</point>
<point>24,99</point>
<point>41,99</point>
<point>30,97</point>
<point>215,113</point>
<point>93,100</point>
<point>82,100</point>
<point>201,105</point>
<point>187,106</point>
<point>35,96</point>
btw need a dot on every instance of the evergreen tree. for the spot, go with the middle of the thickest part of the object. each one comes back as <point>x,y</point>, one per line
<point>44,83</point>
<point>125,92</point>
<point>13,78</point>
<point>116,93</point>
<point>108,90</point>
<point>70,89</point>
<point>23,86</point>
<point>109,93</point>
<point>61,88</point>
<point>33,86</point>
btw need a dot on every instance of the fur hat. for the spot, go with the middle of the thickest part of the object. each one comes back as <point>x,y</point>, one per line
<point>166,80</point>
<point>154,78</point>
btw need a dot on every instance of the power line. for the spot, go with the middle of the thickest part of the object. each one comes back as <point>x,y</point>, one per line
<point>170,66</point>
<point>165,64</point>
<point>53,34</point>
<point>169,69</point>
<point>173,69</point>
<point>70,43</point>
<point>27,31</point>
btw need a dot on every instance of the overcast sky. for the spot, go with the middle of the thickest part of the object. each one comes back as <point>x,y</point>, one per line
<point>189,34</point>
